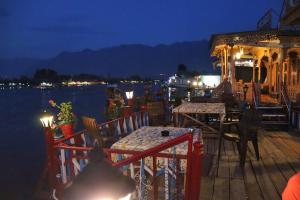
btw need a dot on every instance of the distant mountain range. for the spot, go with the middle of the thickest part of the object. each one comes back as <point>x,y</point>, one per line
<point>123,60</point>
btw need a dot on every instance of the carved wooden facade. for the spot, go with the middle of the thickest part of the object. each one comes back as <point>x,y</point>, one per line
<point>267,57</point>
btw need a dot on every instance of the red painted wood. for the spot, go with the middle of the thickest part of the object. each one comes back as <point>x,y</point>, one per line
<point>153,151</point>
<point>49,141</point>
<point>196,171</point>
<point>188,167</point>
<point>132,152</point>
<point>71,165</point>
<point>121,122</point>
<point>65,146</point>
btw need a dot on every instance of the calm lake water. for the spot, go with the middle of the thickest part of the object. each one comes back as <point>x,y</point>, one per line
<point>22,139</point>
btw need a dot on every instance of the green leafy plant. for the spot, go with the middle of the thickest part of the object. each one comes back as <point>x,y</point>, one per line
<point>114,109</point>
<point>65,114</point>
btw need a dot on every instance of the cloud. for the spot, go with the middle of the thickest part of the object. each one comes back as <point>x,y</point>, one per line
<point>4,12</point>
<point>83,30</point>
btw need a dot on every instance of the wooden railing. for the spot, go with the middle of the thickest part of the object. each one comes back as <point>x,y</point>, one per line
<point>286,100</point>
<point>69,156</point>
<point>173,175</point>
<point>285,96</point>
<point>171,168</point>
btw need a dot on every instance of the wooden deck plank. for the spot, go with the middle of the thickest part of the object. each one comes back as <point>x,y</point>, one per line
<point>264,181</point>
<point>223,169</point>
<point>275,174</point>
<point>237,189</point>
<point>221,190</point>
<point>260,180</point>
<point>207,188</point>
<point>252,188</point>
<point>287,153</point>
<point>280,159</point>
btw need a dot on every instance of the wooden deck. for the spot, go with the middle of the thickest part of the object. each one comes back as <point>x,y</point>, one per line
<point>263,179</point>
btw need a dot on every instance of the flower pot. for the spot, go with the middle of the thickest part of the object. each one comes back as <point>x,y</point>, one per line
<point>67,129</point>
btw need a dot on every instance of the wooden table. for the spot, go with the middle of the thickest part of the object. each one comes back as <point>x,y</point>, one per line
<point>148,137</point>
<point>188,109</point>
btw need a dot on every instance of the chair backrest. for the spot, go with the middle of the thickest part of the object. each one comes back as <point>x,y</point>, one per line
<point>92,128</point>
<point>250,118</point>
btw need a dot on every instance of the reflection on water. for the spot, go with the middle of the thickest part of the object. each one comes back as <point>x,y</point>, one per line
<point>22,141</point>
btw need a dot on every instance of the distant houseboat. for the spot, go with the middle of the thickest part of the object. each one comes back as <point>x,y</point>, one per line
<point>202,81</point>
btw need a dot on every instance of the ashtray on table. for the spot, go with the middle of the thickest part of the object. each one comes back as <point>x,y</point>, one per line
<point>165,133</point>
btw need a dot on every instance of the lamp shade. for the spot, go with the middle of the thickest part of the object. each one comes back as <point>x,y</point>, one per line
<point>46,119</point>
<point>129,94</point>
<point>245,88</point>
<point>100,181</point>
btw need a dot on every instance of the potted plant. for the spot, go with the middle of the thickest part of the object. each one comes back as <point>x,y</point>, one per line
<point>114,109</point>
<point>66,117</point>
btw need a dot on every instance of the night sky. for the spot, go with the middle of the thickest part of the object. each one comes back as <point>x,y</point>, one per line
<point>44,28</point>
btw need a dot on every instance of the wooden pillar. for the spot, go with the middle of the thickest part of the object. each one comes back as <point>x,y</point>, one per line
<point>259,62</point>
<point>232,69</point>
<point>270,71</point>
<point>226,62</point>
<point>258,70</point>
<point>222,65</point>
<point>253,71</point>
<point>282,53</point>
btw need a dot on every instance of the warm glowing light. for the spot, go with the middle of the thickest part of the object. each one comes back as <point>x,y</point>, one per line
<point>195,83</point>
<point>126,198</point>
<point>242,51</point>
<point>123,198</point>
<point>129,94</point>
<point>47,120</point>
<point>238,55</point>
<point>188,81</point>
<point>44,84</point>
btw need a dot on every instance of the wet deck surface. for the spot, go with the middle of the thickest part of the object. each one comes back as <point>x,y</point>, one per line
<point>263,179</point>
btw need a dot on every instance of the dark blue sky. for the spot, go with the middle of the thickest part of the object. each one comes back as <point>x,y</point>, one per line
<point>44,28</point>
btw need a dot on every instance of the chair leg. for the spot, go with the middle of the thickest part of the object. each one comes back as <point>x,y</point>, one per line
<point>255,145</point>
<point>243,152</point>
<point>238,145</point>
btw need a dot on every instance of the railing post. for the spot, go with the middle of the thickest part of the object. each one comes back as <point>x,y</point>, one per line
<point>187,194</point>
<point>196,171</point>
<point>49,144</point>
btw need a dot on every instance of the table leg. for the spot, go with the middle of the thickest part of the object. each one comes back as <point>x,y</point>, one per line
<point>155,186</point>
<point>222,116</point>
<point>176,119</point>
<point>166,179</point>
